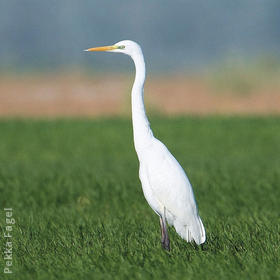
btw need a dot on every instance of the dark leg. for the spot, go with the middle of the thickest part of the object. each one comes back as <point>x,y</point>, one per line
<point>164,234</point>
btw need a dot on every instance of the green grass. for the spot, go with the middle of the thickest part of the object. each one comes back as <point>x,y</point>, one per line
<point>80,212</point>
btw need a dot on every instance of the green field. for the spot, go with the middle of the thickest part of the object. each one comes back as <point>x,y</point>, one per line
<point>80,212</point>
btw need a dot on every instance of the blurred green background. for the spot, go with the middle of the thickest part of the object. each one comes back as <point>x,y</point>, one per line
<point>215,57</point>
<point>175,35</point>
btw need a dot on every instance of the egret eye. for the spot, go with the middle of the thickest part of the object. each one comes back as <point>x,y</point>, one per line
<point>121,47</point>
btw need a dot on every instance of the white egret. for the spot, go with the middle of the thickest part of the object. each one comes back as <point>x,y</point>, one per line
<point>165,184</point>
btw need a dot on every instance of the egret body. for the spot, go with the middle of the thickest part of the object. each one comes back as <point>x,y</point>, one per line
<point>165,184</point>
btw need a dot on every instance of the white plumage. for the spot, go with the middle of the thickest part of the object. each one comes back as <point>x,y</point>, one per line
<point>166,187</point>
<point>165,184</point>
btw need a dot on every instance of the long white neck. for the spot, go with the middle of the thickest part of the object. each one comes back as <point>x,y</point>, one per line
<point>142,132</point>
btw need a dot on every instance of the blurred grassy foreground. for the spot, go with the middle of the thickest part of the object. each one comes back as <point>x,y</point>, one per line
<point>80,212</point>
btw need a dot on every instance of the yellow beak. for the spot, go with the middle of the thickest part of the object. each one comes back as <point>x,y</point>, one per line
<point>102,49</point>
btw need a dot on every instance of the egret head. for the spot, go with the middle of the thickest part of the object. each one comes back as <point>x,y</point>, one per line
<point>127,47</point>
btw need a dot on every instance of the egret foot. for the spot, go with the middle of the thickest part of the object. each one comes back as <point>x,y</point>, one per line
<point>164,234</point>
<point>166,244</point>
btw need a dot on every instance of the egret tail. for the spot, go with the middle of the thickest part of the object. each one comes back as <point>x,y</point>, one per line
<point>192,231</point>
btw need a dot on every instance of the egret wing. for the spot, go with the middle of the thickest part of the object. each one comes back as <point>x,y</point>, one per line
<point>171,187</point>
